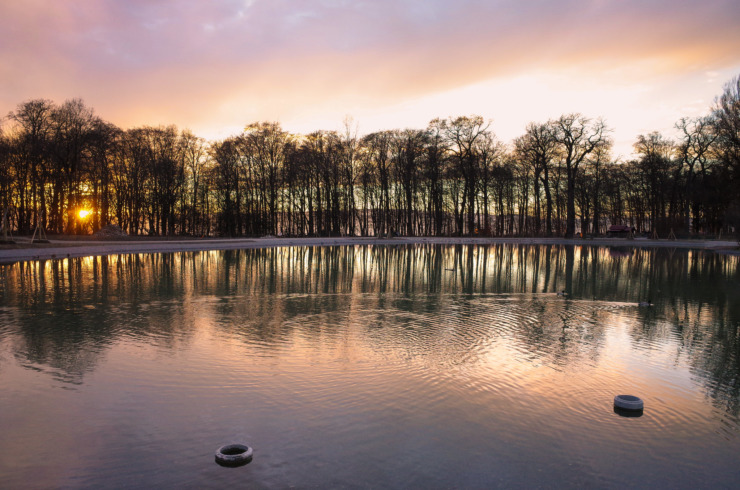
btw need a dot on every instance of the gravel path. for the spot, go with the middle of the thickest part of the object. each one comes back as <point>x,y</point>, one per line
<point>56,249</point>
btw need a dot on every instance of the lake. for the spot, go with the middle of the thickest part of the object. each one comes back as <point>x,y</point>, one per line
<point>421,366</point>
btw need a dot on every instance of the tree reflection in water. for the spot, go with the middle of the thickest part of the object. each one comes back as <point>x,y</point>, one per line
<point>445,301</point>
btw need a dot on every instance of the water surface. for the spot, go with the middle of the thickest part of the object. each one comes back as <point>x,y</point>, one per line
<point>372,367</point>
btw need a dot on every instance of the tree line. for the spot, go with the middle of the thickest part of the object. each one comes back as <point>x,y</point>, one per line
<point>453,177</point>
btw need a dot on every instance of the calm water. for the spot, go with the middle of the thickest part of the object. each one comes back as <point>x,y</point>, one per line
<point>367,366</point>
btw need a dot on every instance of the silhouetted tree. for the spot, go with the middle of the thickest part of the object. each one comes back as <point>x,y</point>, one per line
<point>538,149</point>
<point>577,137</point>
<point>693,151</point>
<point>656,179</point>
<point>194,152</point>
<point>726,116</point>
<point>462,134</point>
<point>451,177</point>
<point>28,153</point>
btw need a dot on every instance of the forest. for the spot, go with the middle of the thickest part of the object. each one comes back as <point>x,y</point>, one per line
<point>453,177</point>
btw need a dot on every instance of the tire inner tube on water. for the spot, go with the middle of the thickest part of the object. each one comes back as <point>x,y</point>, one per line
<point>233,455</point>
<point>628,402</point>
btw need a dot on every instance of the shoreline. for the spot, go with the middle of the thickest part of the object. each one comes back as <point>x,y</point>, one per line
<point>24,250</point>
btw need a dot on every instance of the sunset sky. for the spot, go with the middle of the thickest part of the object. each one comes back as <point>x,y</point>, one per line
<point>215,66</point>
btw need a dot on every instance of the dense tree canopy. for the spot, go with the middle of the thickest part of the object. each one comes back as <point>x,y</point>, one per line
<point>452,178</point>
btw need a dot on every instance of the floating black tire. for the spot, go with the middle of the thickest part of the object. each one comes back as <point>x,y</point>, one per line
<point>628,402</point>
<point>627,413</point>
<point>233,455</point>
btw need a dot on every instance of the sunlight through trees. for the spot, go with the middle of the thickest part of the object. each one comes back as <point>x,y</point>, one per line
<point>452,178</point>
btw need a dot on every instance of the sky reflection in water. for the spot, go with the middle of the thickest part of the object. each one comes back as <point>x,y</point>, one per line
<point>376,366</point>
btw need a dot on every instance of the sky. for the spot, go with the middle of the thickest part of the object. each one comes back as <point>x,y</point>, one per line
<point>216,66</point>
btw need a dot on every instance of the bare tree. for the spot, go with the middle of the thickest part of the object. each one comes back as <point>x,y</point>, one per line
<point>462,134</point>
<point>228,185</point>
<point>72,127</point>
<point>577,138</point>
<point>451,177</point>
<point>409,150</point>
<point>596,163</point>
<point>265,144</point>
<point>195,154</point>
<point>6,172</point>
<point>656,179</point>
<point>727,127</point>
<point>538,146</point>
<point>349,146</point>
<point>104,138</point>
<point>435,163</point>
<point>32,169</point>
<point>697,138</point>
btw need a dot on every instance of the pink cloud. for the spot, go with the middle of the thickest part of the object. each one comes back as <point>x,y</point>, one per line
<point>185,62</point>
